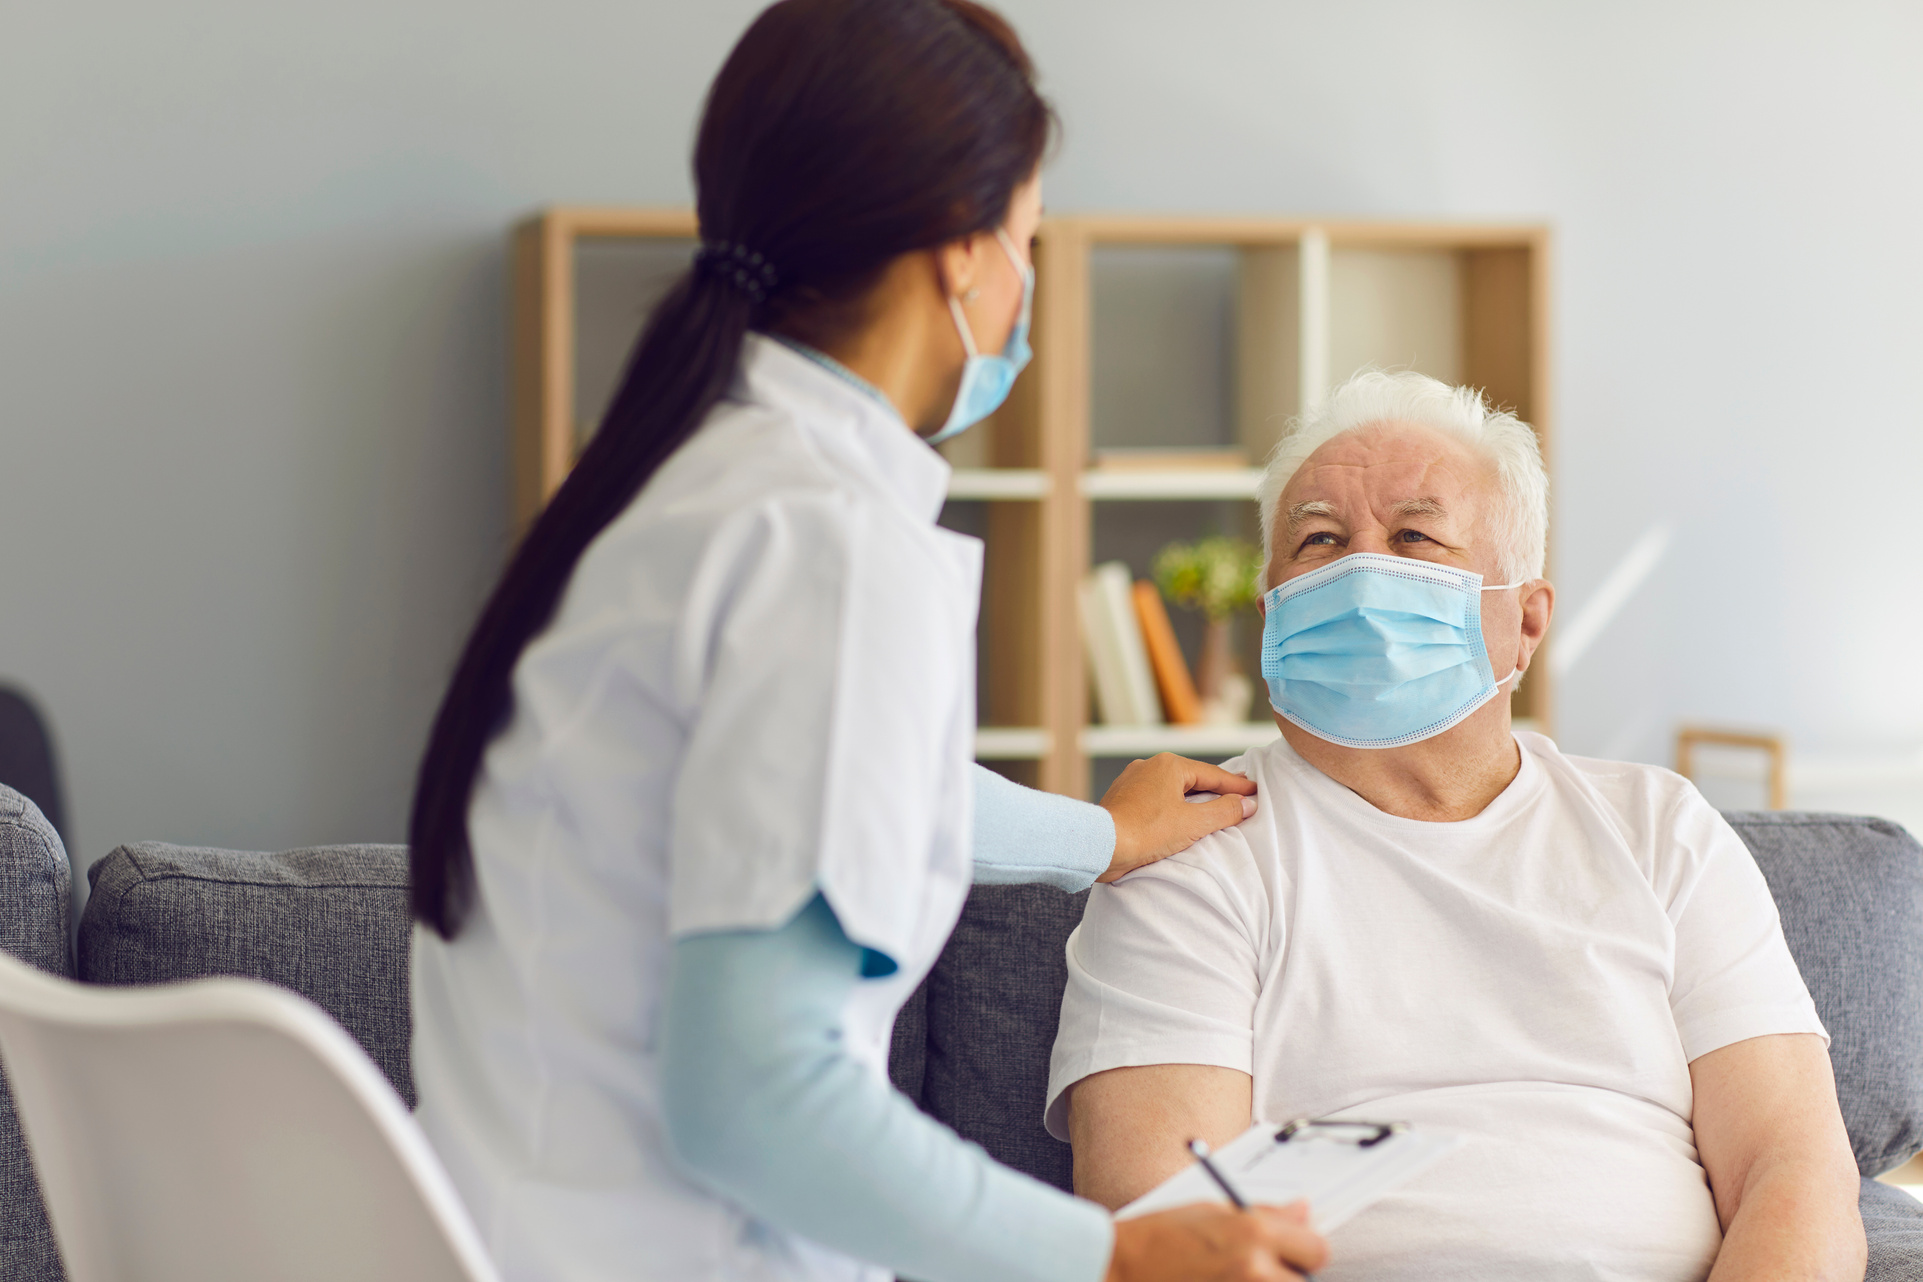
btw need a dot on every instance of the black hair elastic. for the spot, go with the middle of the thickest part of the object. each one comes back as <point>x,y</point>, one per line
<point>739,266</point>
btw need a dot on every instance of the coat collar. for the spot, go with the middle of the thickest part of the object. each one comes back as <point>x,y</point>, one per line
<point>854,427</point>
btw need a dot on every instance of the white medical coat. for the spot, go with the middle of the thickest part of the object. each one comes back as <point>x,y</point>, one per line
<point>759,684</point>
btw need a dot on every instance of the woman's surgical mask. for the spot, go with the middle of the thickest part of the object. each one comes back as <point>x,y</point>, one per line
<point>986,380</point>
<point>1375,651</point>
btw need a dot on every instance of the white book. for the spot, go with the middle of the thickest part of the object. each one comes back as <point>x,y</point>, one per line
<point>1104,659</point>
<point>1116,630</point>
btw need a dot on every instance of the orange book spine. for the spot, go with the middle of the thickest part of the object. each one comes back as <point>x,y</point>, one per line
<point>1179,700</point>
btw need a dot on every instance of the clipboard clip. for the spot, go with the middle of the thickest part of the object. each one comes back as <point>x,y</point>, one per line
<point>1374,1132</point>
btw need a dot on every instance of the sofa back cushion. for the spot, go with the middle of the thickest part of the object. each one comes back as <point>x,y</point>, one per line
<point>990,1007</point>
<point>330,923</point>
<point>34,917</point>
<point>1850,892</point>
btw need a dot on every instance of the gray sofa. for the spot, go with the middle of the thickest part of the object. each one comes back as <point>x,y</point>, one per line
<point>972,1046</point>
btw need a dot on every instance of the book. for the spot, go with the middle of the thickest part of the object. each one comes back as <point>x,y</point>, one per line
<point>1118,659</point>
<point>1180,702</point>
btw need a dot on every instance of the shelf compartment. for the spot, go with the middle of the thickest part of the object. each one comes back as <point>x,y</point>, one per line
<point>1225,483</point>
<point>991,483</point>
<point>1011,743</point>
<point>1188,741</point>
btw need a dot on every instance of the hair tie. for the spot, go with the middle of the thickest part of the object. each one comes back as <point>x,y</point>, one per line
<point>737,265</point>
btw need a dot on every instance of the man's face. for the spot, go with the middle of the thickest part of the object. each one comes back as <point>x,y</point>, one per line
<point>1400,490</point>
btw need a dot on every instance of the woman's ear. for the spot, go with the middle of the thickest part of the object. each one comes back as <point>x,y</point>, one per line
<point>958,266</point>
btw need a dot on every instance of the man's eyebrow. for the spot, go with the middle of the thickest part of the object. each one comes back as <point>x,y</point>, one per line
<point>1419,507</point>
<point>1303,511</point>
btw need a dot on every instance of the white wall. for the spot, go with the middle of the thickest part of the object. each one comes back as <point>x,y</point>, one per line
<point>251,333</point>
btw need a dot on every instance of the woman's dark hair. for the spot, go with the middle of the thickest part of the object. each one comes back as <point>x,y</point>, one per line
<point>839,135</point>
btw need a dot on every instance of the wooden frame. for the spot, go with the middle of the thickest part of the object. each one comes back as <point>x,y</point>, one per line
<point>1038,485</point>
<point>1774,745</point>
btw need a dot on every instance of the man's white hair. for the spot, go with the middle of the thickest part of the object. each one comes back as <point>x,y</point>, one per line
<point>1520,522</point>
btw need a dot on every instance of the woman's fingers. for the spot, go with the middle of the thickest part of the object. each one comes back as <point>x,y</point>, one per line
<point>1155,817</point>
<point>1202,777</point>
<point>1208,1242</point>
<point>1287,1237</point>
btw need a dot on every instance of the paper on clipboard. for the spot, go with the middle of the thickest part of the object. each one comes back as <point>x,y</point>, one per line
<point>1323,1163</point>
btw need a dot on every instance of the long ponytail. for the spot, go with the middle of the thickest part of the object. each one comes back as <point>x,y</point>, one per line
<point>839,135</point>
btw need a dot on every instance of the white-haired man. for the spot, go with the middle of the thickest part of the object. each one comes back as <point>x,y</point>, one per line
<point>1574,964</point>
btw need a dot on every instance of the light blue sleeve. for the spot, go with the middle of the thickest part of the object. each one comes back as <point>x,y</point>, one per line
<point>1024,835</point>
<point>765,1106</point>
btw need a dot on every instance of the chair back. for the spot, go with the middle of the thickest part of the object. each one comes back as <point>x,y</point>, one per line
<point>221,1131</point>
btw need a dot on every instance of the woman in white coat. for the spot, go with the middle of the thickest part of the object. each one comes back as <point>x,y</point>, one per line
<point>698,811</point>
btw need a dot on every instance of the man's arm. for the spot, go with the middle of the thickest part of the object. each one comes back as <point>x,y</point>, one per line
<point>1130,1126</point>
<point>1771,1137</point>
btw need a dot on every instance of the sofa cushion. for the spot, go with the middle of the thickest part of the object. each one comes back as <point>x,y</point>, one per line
<point>1893,1226</point>
<point>330,923</point>
<point>1850,892</point>
<point>34,913</point>
<point>993,1001</point>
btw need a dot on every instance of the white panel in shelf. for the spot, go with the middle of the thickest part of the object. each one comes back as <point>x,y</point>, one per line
<point>1010,743</point>
<point>1312,331</point>
<point>998,483</point>
<point>1227,483</point>
<point>1188,741</point>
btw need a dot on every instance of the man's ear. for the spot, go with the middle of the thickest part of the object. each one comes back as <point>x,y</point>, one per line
<point>1538,604</point>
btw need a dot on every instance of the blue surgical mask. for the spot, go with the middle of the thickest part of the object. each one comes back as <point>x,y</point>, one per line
<point>985,380</point>
<point>1375,651</point>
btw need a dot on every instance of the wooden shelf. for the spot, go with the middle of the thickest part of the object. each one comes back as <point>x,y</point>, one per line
<point>1313,299</point>
<point>1187,741</point>
<point>1011,743</point>
<point>999,483</point>
<point>1228,483</point>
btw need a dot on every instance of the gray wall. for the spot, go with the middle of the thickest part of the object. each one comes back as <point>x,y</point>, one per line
<point>251,333</point>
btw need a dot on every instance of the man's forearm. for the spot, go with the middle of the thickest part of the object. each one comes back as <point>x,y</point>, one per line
<point>1796,1219</point>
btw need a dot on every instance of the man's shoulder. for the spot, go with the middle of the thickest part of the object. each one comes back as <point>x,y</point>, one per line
<point>1648,799</point>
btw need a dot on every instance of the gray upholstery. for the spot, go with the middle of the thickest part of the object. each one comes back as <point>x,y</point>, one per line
<point>34,908</point>
<point>329,923</point>
<point>1850,891</point>
<point>1893,1223</point>
<point>993,1000</point>
<point>972,1046</point>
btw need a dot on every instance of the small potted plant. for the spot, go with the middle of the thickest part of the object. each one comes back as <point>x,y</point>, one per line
<point>1215,576</point>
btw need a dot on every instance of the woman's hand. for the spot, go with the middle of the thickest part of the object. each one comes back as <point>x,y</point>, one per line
<point>1208,1242</point>
<point>1153,816</point>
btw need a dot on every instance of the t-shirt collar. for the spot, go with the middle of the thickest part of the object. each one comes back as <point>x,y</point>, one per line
<point>1530,780</point>
<point>849,420</point>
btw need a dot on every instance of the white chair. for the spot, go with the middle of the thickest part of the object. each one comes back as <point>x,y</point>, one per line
<point>221,1131</point>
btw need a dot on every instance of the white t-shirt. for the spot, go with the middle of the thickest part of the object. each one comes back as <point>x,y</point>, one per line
<point>1536,978</point>
<point>759,683</point>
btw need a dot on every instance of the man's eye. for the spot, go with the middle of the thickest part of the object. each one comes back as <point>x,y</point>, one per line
<point>1413,536</point>
<point>1322,539</point>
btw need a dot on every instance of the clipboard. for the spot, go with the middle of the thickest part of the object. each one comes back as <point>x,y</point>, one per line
<point>1339,1167</point>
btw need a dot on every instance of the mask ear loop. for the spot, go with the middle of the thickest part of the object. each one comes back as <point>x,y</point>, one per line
<point>954,304</point>
<point>1503,587</point>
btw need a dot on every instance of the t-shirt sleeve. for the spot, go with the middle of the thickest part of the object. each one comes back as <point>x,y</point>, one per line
<point>1164,969</point>
<point>1734,978</point>
<point>820,654</point>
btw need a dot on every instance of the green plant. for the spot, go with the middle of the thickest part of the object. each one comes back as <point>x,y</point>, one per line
<point>1215,575</point>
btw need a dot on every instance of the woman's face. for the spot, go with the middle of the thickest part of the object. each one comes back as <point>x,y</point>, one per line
<point>994,310</point>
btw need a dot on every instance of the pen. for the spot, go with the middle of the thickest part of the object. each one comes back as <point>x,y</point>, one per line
<point>1201,1154</point>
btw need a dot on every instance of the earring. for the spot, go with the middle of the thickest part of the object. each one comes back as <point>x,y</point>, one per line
<point>972,295</point>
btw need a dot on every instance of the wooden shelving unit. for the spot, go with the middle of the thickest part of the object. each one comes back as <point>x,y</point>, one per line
<point>1311,302</point>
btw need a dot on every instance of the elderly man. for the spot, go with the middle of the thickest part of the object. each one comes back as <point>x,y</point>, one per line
<point>1574,964</point>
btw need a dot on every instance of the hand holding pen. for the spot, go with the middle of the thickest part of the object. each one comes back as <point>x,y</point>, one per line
<point>1200,1151</point>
